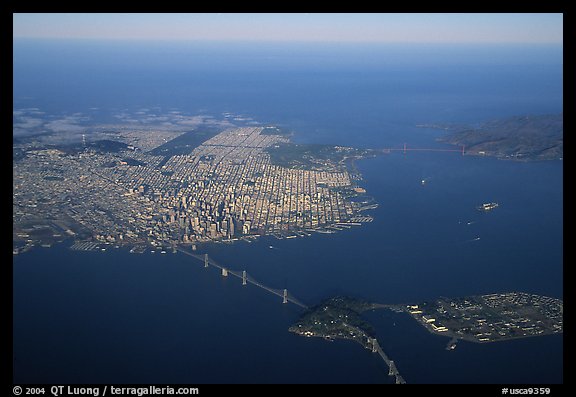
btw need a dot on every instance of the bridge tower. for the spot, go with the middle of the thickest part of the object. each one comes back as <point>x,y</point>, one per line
<point>285,296</point>
<point>392,369</point>
<point>205,260</point>
<point>404,148</point>
<point>244,277</point>
<point>224,272</point>
<point>374,345</point>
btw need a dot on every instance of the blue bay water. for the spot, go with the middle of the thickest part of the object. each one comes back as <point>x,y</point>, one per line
<point>119,317</point>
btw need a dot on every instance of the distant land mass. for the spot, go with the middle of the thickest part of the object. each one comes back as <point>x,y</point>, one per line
<point>525,138</point>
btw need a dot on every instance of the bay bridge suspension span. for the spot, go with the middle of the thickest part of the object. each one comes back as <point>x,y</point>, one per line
<point>286,298</point>
<point>246,278</point>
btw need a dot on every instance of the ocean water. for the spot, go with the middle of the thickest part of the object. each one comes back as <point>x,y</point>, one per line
<point>116,317</point>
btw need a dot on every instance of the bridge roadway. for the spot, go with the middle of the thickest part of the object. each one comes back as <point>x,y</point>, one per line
<point>393,371</point>
<point>246,278</point>
<point>376,348</point>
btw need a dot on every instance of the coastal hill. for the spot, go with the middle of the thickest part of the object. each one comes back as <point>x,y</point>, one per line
<point>525,138</point>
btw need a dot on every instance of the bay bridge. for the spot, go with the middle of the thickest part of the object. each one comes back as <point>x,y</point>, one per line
<point>246,278</point>
<point>392,370</point>
<point>286,298</point>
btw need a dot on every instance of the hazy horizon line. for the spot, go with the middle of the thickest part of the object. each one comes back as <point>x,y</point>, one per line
<point>281,41</point>
<point>299,27</point>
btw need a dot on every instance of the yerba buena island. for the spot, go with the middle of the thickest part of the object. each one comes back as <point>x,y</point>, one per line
<point>164,188</point>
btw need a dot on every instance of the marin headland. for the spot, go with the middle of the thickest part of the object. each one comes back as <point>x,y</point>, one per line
<point>521,138</point>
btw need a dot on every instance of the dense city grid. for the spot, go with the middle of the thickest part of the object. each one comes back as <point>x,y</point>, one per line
<point>225,188</point>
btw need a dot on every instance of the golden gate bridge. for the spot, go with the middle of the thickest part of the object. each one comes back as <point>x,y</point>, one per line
<point>405,149</point>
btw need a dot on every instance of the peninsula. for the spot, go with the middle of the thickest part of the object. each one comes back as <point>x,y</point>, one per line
<point>164,187</point>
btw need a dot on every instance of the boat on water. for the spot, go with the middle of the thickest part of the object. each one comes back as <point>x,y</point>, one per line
<point>452,344</point>
<point>325,231</point>
<point>487,206</point>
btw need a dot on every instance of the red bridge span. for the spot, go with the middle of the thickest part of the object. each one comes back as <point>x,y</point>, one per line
<point>405,149</point>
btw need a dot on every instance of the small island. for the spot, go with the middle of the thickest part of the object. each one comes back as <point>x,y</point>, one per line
<point>478,319</point>
<point>490,318</point>
<point>337,318</point>
<point>523,138</point>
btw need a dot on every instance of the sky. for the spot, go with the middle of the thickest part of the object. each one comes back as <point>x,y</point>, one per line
<point>314,27</point>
